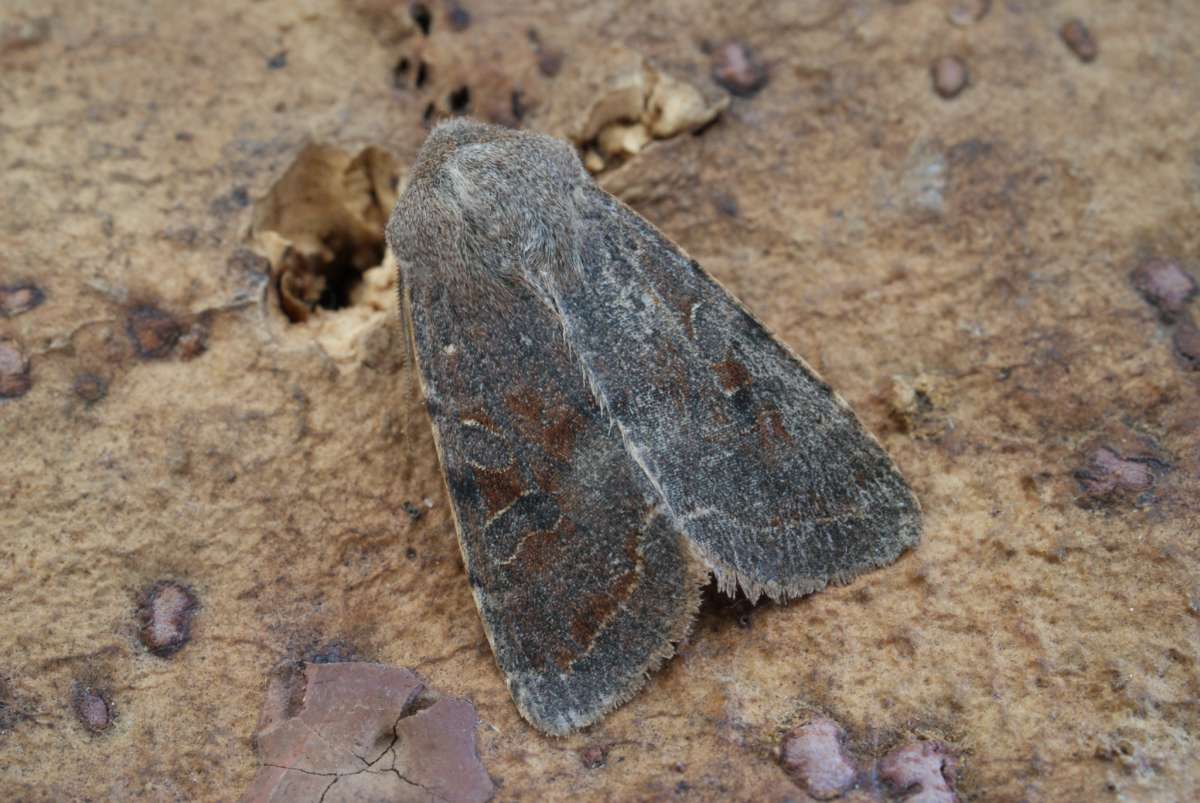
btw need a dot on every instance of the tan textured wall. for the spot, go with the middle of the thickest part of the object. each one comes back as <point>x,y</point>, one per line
<point>958,268</point>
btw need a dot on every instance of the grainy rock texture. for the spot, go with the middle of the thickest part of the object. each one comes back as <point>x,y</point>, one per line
<point>961,271</point>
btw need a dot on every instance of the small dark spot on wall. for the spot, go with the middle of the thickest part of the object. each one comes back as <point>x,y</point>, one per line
<point>12,708</point>
<point>421,16</point>
<point>550,63</point>
<point>236,199</point>
<point>16,299</point>
<point>1187,344</point>
<point>152,331</point>
<point>278,61</point>
<point>90,387</point>
<point>15,378</point>
<point>518,105</point>
<point>332,652</point>
<point>460,100</point>
<point>400,72</point>
<point>726,204</point>
<point>594,756</point>
<point>194,341</point>
<point>459,18</point>
<point>248,267</point>
<point>1079,40</point>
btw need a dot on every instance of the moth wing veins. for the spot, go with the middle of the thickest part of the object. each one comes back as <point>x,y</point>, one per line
<point>758,461</point>
<point>582,582</point>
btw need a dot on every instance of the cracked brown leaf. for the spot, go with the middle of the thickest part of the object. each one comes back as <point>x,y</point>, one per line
<point>364,732</point>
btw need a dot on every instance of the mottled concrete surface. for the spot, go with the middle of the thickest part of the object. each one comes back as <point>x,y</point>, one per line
<point>197,491</point>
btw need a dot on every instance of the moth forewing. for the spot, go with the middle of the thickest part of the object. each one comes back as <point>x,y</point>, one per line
<point>582,584</point>
<point>757,460</point>
<point>612,425</point>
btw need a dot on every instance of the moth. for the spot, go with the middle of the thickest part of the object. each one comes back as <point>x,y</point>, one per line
<point>612,425</point>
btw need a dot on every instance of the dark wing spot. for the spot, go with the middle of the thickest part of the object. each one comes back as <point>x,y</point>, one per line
<point>499,489</point>
<point>594,612</point>
<point>563,658</point>
<point>525,404</point>
<point>770,429</point>
<point>599,606</point>
<point>554,430</point>
<point>539,551</point>
<point>684,305</point>
<point>732,375</point>
<point>559,435</point>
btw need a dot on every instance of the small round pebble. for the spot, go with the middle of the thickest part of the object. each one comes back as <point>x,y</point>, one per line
<point>736,69</point>
<point>950,76</point>
<point>1079,39</point>
<point>92,708</point>
<point>812,754</point>
<point>166,613</point>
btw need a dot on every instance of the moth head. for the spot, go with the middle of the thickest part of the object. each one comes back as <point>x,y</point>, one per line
<point>486,203</point>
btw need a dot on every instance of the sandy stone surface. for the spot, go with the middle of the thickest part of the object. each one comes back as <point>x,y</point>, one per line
<point>198,489</point>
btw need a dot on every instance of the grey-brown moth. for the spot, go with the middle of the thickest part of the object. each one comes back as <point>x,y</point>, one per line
<point>613,426</point>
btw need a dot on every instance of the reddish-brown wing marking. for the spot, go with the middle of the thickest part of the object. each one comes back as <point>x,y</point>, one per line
<point>582,582</point>
<point>763,467</point>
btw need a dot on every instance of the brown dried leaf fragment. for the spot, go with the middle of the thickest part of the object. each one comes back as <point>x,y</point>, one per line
<point>612,103</point>
<point>364,732</point>
<point>435,750</point>
<point>329,209</point>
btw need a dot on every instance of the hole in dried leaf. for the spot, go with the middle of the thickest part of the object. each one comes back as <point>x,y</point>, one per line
<point>321,226</point>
